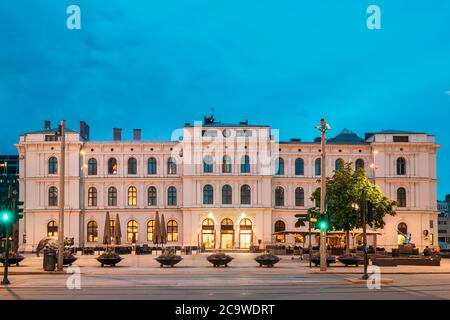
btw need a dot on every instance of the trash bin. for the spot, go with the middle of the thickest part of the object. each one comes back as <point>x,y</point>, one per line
<point>188,250</point>
<point>49,260</point>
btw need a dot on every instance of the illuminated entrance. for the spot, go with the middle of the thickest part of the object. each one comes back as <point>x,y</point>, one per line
<point>245,233</point>
<point>208,234</point>
<point>226,234</point>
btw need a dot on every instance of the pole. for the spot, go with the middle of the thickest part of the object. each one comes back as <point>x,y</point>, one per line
<point>364,212</point>
<point>61,195</point>
<point>323,239</point>
<point>309,244</point>
<point>5,280</point>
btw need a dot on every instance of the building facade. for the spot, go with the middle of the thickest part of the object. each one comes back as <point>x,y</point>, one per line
<point>222,185</point>
<point>444,221</point>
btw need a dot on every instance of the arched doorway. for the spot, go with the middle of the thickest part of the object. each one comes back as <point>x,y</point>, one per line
<point>402,234</point>
<point>208,233</point>
<point>245,233</point>
<point>226,234</point>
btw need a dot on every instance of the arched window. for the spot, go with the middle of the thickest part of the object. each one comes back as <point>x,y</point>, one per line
<point>279,166</point>
<point>359,164</point>
<point>52,197</point>
<point>151,166</point>
<point>401,197</point>
<point>150,229</point>
<point>245,194</point>
<point>299,167</point>
<point>171,166</point>
<point>207,164</point>
<point>132,196</point>
<point>92,197</point>
<point>132,231</point>
<point>92,231</point>
<point>132,166</point>
<point>172,196</point>
<point>112,166</point>
<point>172,231</point>
<point>338,164</point>
<point>279,197</point>
<point>318,167</point>
<point>299,197</point>
<point>208,194</point>
<point>52,165</point>
<point>112,196</point>
<point>226,164</point>
<point>92,167</point>
<point>52,229</point>
<point>280,226</point>
<point>245,233</point>
<point>402,227</point>
<point>227,197</point>
<point>401,166</point>
<point>152,196</point>
<point>245,164</point>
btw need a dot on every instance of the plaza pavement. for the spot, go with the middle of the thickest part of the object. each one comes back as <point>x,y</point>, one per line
<point>141,277</point>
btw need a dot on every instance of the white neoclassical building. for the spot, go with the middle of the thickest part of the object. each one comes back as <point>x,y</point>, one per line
<point>222,185</point>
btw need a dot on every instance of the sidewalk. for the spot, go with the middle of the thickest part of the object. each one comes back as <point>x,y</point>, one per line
<point>197,264</point>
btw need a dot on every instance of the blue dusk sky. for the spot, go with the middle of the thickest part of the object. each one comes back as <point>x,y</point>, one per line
<point>156,64</point>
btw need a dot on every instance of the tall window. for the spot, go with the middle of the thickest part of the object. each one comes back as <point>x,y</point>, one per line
<point>112,166</point>
<point>245,164</point>
<point>150,229</point>
<point>132,166</point>
<point>112,196</point>
<point>299,167</point>
<point>317,167</point>
<point>172,231</point>
<point>172,196</point>
<point>208,164</point>
<point>92,167</point>
<point>401,197</point>
<point>279,197</point>
<point>359,164</point>
<point>245,194</point>
<point>152,196</point>
<point>279,227</point>
<point>299,197</point>
<point>227,197</point>
<point>52,229</point>
<point>52,197</point>
<point>52,165</point>
<point>279,166</point>
<point>132,196</point>
<point>401,166</point>
<point>92,197</point>
<point>208,194</point>
<point>132,231</point>
<point>338,164</point>
<point>171,166</point>
<point>92,231</point>
<point>151,166</point>
<point>226,164</point>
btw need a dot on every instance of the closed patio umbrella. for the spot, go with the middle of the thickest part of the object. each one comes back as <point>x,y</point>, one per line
<point>157,230</point>
<point>117,231</point>
<point>163,230</point>
<point>107,232</point>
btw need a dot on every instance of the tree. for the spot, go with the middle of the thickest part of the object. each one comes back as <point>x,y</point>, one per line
<point>344,191</point>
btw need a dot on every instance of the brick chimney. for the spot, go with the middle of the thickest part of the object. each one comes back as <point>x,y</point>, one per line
<point>84,131</point>
<point>117,134</point>
<point>137,134</point>
<point>47,124</point>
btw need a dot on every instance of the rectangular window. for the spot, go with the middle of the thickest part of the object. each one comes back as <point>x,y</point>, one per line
<point>401,139</point>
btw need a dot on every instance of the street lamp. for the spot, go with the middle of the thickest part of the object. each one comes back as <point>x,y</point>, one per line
<point>323,128</point>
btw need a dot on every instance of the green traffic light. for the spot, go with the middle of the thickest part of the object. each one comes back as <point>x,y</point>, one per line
<point>6,216</point>
<point>323,225</point>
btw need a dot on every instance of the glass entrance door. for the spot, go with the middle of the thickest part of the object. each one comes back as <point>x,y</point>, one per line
<point>227,241</point>
<point>208,239</point>
<point>245,239</point>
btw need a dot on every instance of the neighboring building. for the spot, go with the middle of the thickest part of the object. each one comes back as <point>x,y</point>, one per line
<point>9,174</point>
<point>221,185</point>
<point>444,220</point>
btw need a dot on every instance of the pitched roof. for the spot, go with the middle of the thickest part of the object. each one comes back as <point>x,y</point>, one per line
<point>346,137</point>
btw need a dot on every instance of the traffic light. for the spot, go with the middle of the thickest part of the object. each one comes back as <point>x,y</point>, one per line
<point>18,211</point>
<point>6,217</point>
<point>323,224</point>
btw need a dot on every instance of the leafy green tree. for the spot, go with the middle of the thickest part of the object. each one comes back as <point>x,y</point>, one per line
<point>344,191</point>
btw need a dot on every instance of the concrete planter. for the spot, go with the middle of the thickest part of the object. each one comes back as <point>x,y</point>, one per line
<point>219,259</point>
<point>13,260</point>
<point>168,260</point>
<point>267,260</point>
